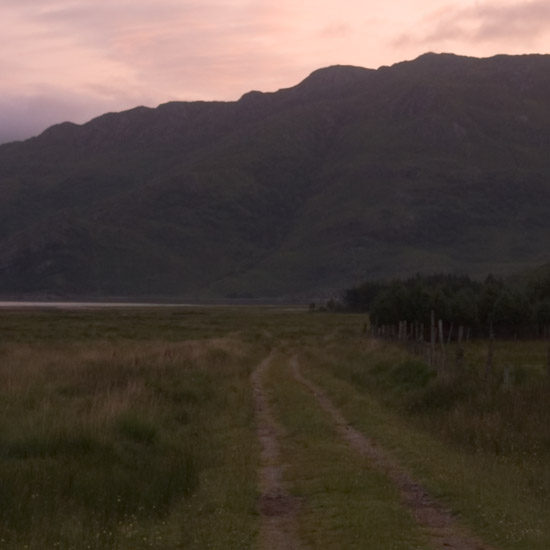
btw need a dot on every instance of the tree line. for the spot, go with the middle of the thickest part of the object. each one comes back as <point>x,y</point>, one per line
<point>491,305</point>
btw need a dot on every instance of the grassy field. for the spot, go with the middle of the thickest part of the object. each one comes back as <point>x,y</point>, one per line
<point>128,429</point>
<point>125,430</point>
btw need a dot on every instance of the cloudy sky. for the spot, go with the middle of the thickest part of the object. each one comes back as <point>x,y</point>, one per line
<point>75,59</point>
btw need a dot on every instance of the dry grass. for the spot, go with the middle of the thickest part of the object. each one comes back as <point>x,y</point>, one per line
<point>103,441</point>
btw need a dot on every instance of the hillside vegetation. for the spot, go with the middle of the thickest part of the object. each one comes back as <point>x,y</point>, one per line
<point>437,164</point>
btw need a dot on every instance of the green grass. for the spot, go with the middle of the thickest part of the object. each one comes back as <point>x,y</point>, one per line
<point>128,429</point>
<point>166,324</point>
<point>345,504</point>
<point>502,493</point>
<point>124,445</point>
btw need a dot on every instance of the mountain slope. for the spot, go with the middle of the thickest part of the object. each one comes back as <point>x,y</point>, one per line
<point>440,163</point>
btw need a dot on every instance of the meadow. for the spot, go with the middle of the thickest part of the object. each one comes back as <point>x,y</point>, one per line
<point>135,428</point>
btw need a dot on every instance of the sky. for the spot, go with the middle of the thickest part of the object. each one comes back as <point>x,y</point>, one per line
<point>76,59</point>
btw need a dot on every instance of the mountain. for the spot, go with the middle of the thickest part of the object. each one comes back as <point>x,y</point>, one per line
<point>436,164</point>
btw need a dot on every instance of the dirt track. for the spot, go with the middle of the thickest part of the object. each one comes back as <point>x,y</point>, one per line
<point>278,509</point>
<point>439,522</point>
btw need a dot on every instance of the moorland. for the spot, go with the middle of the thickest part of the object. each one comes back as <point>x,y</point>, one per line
<point>139,428</point>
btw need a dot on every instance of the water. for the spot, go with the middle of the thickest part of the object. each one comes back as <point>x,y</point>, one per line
<point>84,305</point>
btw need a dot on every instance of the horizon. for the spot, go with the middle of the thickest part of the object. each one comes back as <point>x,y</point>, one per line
<point>71,61</point>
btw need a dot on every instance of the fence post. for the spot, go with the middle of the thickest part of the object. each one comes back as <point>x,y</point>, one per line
<point>442,342</point>
<point>459,348</point>
<point>432,338</point>
<point>490,352</point>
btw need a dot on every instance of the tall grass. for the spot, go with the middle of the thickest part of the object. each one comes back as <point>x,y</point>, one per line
<point>101,442</point>
<point>505,413</point>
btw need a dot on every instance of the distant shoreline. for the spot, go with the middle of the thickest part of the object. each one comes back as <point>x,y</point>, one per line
<point>86,305</point>
<point>13,304</point>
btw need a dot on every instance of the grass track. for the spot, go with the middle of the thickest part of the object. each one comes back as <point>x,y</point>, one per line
<point>495,498</point>
<point>345,505</point>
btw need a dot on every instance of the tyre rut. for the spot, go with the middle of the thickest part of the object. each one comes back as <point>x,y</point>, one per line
<point>277,508</point>
<point>439,522</point>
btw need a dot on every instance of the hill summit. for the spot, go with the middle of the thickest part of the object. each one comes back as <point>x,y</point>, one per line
<point>436,164</point>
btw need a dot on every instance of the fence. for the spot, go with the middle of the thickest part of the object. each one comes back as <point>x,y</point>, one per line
<point>443,345</point>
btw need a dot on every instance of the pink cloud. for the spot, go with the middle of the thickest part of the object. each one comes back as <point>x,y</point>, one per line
<point>503,24</point>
